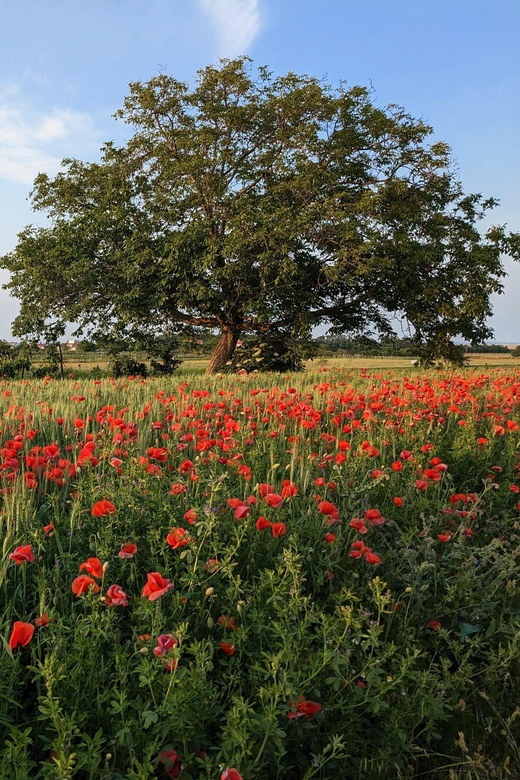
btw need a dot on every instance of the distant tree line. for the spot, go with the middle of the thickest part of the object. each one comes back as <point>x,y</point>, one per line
<point>394,347</point>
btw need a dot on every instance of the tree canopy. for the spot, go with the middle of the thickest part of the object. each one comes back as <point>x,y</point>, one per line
<point>255,203</point>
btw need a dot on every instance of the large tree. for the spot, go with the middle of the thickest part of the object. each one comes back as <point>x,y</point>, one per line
<point>254,202</point>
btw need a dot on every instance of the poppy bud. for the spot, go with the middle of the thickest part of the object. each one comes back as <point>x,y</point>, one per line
<point>209,592</point>
<point>108,756</point>
<point>240,605</point>
<point>210,622</point>
<point>143,650</point>
<point>408,590</point>
<point>105,567</point>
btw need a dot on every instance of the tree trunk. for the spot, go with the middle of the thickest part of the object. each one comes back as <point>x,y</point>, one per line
<point>224,349</point>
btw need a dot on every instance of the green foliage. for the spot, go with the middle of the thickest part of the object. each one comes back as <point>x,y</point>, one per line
<point>271,351</point>
<point>366,347</point>
<point>87,346</point>
<point>125,365</point>
<point>249,202</point>
<point>163,347</point>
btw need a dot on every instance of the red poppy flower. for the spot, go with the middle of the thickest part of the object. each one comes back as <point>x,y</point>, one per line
<point>211,566</point>
<point>127,550</point>
<point>330,538</point>
<point>305,707</point>
<point>177,489</point>
<point>23,553</point>
<point>245,472</point>
<point>227,647</point>
<point>116,597</point>
<point>374,517</point>
<point>262,523</point>
<point>445,537</point>
<point>421,484</point>
<point>82,584</point>
<point>165,643</point>
<point>48,529</point>
<point>93,566</point>
<point>156,586</point>
<point>103,508</point>
<point>288,489</point>
<point>43,621</point>
<point>359,525</point>
<point>51,450</point>
<point>434,625</point>
<point>191,516</point>
<point>241,509</point>
<point>372,558</point>
<point>172,763</point>
<point>456,497</point>
<point>358,549</point>
<point>278,529</point>
<point>21,634</point>
<point>231,774</point>
<point>398,501</point>
<point>265,489</point>
<point>273,499</point>
<point>326,508</point>
<point>177,538</point>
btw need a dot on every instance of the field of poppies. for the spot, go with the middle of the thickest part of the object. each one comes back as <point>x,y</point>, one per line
<point>261,577</point>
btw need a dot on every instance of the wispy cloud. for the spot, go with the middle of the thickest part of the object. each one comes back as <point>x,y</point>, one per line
<point>32,141</point>
<point>237,23</point>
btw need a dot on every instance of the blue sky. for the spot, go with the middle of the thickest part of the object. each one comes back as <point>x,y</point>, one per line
<point>65,66</point>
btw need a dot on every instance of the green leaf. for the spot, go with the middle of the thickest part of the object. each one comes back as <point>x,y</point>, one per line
<point>466,629</point>
<point>149,718</point>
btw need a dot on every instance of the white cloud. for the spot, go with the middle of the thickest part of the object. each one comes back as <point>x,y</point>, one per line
<point>32,141</point>
<point>237,23</point>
